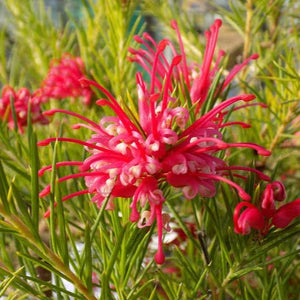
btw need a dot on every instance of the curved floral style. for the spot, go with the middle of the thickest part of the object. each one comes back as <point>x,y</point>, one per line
<point>166,142</point>
<point>21,100</point>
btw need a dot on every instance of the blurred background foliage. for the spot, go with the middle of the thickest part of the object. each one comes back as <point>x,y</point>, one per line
<point>80,243</point>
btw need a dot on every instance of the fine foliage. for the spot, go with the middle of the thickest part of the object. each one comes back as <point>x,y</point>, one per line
<point>141,161</point>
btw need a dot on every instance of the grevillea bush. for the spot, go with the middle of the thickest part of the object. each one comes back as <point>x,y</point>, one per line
<point>137,165</point>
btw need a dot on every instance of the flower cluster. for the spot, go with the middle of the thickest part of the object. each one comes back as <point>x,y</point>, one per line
<point>20,99</point>
<point>266,214</point>
<point>62,80</point>
<point>164,142</point>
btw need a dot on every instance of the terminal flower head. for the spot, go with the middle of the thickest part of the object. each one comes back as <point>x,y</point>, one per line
<point>21,100</point>
<point>62,80</point>
<point>162,142</point>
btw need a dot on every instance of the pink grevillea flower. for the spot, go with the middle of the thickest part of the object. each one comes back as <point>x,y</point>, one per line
<point>135,154</point>
<point>21,101</point>
<point>62,80</point>
<point>197,78</point>
<point>266,215</point>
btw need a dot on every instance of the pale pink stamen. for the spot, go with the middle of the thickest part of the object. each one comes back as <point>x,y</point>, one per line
<point>141,41</point>
<point>134,216</point>
<point>236,69</point>
<point>150,39</point>
<point>141,61</point>
<point>153,99</point>
<point>175,61</point>
<point>54,111</point>
<point>260,150</point>
<point>219,144</point>
<point>47,213</point>
<point>159,256</point>
<point>242,124</point>
<point>218,60</point>
<point>46,191</point>
<point>161,47</point>
<point>213,112</point>
<point>114,104</point>
<point>59,164</point>
<point>235,175</point>
<point>151,54</point>
<point>212,37</point>
<point>46,142</point>
<point>260,174</point>
<point>262,105</point>
<point>241,192</point>
<point>80,125</point>
<point>185,68</point>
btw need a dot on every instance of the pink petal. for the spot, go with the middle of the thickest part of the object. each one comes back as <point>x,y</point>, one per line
<point>286,213</point>
<point>251,217</point>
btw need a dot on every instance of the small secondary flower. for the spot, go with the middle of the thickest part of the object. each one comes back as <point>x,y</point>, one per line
<point>21,100</point>
<point>266,214</point>
<point>62,80</point>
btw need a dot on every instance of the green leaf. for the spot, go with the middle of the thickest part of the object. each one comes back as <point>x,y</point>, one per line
<point>3,188</point>
<point>87,267</point>
<point>7,282</point>
<point>34,163</point>
<point>20,284</point>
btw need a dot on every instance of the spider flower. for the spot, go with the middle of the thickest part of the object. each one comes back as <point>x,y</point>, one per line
<point>197,78</point>
<point>135,154</point>
<point>21,100</point>
<point>266,214</point>
<point>62,80</point>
